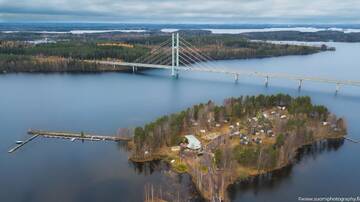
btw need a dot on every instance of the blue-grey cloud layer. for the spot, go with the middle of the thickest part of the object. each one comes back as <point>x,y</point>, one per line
<point>186,11</point>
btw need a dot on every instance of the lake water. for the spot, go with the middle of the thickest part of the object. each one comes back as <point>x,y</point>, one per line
<point>60,170</point>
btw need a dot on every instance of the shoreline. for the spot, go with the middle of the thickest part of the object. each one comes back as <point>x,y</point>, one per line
<point>239,179</point>
<point>236,140</point>
<point>125,69</point>
<point>43,62</point>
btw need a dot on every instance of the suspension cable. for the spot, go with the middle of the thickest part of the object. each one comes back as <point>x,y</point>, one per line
<point>156,57</point>
<point>151,52</point>
<point>203,57</point>
<point>167,61</point>
<point>161,58</point>
<point>194,63</point>
<point>196,49</point>
<point>194,58</point>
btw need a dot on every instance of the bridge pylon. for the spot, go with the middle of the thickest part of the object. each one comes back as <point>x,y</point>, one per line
<point>236,78</point>
<point>175,55</point>
<point>267,81</point>
<point>300,84</point>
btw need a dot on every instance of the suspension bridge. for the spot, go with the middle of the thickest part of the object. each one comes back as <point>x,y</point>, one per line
<point>177,54</point>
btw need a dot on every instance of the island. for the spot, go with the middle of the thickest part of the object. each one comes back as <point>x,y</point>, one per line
<point>218,145</point>
<point>328,36</point>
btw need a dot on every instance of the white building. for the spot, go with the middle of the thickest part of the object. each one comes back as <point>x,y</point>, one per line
<point>193,142</point>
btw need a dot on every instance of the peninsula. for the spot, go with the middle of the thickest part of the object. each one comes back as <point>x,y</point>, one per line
<point>246,136</point>
<point>46,53</point>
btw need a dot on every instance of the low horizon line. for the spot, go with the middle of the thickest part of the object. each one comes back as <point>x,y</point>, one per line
<point>180,23</point>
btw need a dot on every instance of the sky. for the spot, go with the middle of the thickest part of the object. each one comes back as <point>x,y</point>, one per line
<point>182,11</point>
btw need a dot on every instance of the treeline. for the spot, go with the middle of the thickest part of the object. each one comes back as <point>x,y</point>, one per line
<point>304,36</point>
<point>218,47</point>
<point>221,47</point>
<point>32,64</point>
<point>77,50</point>
<point>168,130</point>
<point>237,47</point>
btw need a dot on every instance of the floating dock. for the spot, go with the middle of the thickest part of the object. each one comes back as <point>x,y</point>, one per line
<point>77,135</point>
<point>23,143</point>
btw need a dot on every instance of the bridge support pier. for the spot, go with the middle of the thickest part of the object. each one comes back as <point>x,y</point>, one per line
<point>236,78</point>
<point>267,81</point>
<point>133,69</point>
<point>300,84</point>
<point>175,73</point>
<point>337,88</point>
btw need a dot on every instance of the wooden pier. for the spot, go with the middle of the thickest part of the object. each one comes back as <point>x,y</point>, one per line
<point>77,135</point>
<point>23,143</point>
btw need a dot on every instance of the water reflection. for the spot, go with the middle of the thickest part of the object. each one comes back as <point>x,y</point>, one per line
<point>147,168</point>
<point>123,146</point>
<point>169,186</point>
<point>272,180</point>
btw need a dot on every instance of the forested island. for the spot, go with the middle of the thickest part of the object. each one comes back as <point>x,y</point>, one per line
<point>336,36</point>
<point>29,52</point>
<point>244,137</point>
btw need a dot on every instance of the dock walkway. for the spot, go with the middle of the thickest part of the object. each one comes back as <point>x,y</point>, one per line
<point>77,135</point>
<point>352,140</point>
<point>22,144</point>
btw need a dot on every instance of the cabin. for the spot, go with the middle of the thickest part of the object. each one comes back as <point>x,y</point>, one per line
<point>244,142</point>
<point>270,133</point>
<point>257,140</point>
<point>236,133</point>
<point>281,107</point>
<point>193,142</point>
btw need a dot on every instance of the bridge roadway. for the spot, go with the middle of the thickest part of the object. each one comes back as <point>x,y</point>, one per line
<point>236,73</point>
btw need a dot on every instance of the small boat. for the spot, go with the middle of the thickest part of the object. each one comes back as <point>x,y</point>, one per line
<point>73,139</point>
<point>19,142</point>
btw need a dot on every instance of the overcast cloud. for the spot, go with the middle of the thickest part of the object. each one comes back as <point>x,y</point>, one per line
<point>183,11</point>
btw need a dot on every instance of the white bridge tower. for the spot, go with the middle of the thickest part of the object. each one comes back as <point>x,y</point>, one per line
<point>175,55</point>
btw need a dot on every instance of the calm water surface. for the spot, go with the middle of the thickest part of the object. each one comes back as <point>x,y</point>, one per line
<point>60,170</point>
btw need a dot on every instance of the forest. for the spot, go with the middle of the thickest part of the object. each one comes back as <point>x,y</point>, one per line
<point>22,56</point>
<point>335,36</point>
<point>38,64</point>
<point>169,130</point>
<point>224,46</point>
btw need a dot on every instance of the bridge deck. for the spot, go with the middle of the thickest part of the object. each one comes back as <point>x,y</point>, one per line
<point>235,72</point>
